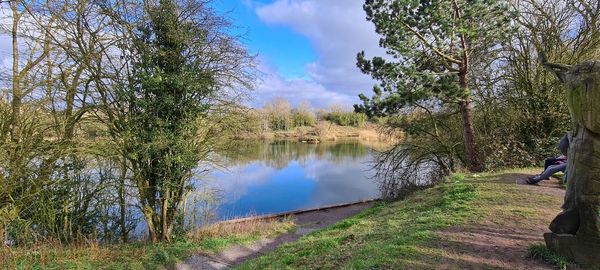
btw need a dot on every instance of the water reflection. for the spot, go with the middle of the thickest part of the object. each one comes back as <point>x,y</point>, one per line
<point>273,177</point>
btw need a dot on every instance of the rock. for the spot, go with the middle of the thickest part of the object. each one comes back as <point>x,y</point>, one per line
<point>576,231</point>
<point>566,222</point>
<point>570,246</point>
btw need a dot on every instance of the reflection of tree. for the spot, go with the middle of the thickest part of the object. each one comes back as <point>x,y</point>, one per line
<point>278,154</point>
<point>349,150</point>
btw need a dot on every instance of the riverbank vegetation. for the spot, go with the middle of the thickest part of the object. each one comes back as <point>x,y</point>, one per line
<point>278,119</point>
<point>89,254</point>
<point>108,113</point>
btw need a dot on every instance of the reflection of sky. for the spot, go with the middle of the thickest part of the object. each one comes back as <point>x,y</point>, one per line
<point>257,188</point>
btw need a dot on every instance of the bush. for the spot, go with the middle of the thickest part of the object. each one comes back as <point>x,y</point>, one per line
<point>347,118</point>
<point>281,122</point>
<point>303,119</point>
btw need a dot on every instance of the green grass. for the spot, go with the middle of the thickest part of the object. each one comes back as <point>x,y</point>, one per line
<point>541,252</point>
<point>388,236</point>
<point>125,256</point>
<point>406,234</point>
<point>137,255</point>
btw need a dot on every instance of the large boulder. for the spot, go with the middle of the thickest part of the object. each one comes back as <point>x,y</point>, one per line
<point>576,231</point>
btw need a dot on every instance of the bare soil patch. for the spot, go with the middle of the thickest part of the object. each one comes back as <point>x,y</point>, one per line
<point>501,241</point>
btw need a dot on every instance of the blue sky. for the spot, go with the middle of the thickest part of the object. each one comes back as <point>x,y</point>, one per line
<point>306,48</point>
<point>273,43</point>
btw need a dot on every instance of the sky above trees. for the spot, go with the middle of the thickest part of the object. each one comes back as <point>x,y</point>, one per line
<point>306,48</point>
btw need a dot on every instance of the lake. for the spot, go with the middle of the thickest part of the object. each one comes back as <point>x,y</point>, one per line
<point>264,177</point>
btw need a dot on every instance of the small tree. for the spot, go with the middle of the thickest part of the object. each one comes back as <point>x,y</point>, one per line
<point>434,45</point>
<point>279,112</point>
<point>181,65</point>
<point>303,115</point>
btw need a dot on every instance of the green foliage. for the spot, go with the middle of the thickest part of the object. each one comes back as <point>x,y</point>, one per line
<point>122,97</point>
<point>524,116</point>
<point>167,97</point>
<point>303,119</point>
<point>347,118</point>
<point>434,46</point>
<point>519,110</point>
<point>281,123</point>
<point>541,252</point>
<point>163,109</point>
<point>431,42</point>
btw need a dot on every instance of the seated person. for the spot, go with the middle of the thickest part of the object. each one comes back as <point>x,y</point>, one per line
<point>553,165</point>
<point>559,166</point>
<point>554,160</point>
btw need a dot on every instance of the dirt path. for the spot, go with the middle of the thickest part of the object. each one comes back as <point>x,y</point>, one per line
<point>501,242</point>
<point>305,223</point>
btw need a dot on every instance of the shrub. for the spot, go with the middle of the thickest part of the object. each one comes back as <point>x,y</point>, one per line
<point>303,119</point>
<point>347,118</point>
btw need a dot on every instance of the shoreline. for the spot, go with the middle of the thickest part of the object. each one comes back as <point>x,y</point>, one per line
<point>324,131</point>
<point>298,212</point>
<point>305,223</point>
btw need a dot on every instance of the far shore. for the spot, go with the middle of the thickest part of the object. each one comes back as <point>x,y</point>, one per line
<point>325,131</point>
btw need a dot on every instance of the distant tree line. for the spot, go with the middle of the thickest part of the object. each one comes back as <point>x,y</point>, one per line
<point>463,81</point>
<point>278,114</point>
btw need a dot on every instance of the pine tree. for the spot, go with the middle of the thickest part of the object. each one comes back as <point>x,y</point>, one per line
<point>432,44</point>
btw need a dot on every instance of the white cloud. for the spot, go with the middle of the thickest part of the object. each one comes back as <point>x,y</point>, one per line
<point>235,181</point>
<point>5,39</point>
<point>338,30</point>
<point>273,85</point>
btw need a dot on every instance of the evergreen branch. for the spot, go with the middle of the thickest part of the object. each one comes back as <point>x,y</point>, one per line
<point>427,44</point>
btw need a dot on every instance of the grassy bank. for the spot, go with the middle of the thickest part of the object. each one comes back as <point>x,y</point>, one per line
<point>437,228</point>
<point>139,255</point>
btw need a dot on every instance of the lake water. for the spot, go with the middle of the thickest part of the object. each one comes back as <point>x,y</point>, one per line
<point>281,176</point>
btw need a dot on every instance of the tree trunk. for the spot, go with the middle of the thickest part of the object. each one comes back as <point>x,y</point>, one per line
<point>165,222</point>
<point>473,161</point>
<point>16,79</point>
<point>149,216</point>
<point>122,205</point>
<point>4,235</point>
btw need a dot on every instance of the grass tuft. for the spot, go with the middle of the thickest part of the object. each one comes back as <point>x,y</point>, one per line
<point>541,252</point>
